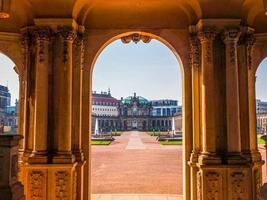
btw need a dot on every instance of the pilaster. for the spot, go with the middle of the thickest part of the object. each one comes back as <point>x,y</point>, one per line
<point>196,96</point>
<point>208,154</point>
<point>53,164</point>
<point>221,171</point>
<point>230,38</point>
<point>63,94</point>
<point>42,37</point>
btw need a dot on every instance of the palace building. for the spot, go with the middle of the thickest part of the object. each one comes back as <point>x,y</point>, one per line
<point>132,113</point>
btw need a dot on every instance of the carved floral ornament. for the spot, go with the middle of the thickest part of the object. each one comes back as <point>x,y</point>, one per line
<point>136,37</point>
<point>208,34</point>
<point>194,50</point>
<point>230,38</point>
<point>231,35</point>
<point>250,41</point>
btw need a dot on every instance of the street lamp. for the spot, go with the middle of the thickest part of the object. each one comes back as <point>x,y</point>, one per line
<point>265,7</point>
<point>5,9</point>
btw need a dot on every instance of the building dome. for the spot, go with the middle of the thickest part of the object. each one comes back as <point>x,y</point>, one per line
<point>130,99</point>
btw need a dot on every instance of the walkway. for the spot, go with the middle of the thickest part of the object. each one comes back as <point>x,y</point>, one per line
<point>136,197</point>
<point>136,164</point>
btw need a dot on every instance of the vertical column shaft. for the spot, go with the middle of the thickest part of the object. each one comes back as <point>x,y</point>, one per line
<point>231,37</point>
<point>194,58</point>
<point>66,90</point>
<point>41,90</point>
<point>207,103</point>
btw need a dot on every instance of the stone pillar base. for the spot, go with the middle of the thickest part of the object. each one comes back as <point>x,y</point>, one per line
<point>50,181</point>
<point>223,182</point>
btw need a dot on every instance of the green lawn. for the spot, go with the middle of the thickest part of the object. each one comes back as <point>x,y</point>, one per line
<point>260,141</point>
<point>171,142</point>
<point>100,142</point>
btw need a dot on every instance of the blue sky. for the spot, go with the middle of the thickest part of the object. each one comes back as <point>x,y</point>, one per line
<point>261,81</point>
<point>8,77</point>
<point>151,70</point>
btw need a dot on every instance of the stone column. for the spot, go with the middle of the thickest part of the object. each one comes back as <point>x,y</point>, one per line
<point>10,187</point>
<point>76,112</point>
<point>196,75</point>
<point>63,91</point>
<point>42,37</point>
<point>26,44</point>
<point>230,38</point>
<point>249,42</point>
<point>208,154</point>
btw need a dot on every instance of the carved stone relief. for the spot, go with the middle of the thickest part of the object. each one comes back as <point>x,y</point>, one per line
<point>136,37</point>
<point>238,186</point>
<point>250,41</point>
<point>258,183</point>
<point>68,35</point>
<point>194,51</point>
<point>212,185</point>
<point>206,37</point>
<point>42,35</point>
<point>36,185</point>
<point>62,179</point>
<point>231,37</point>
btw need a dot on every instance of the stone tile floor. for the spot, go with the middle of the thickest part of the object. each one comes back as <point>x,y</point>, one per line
<point>135,197</point>
<point>135,163</point>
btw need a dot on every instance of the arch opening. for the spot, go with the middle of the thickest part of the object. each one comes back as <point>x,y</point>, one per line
<point>9,95</point>
<point>261,112</point>
<point>120,108</point>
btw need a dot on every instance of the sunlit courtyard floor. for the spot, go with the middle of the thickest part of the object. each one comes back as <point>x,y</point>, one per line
<point>136,197</point>
<point>135,163</point>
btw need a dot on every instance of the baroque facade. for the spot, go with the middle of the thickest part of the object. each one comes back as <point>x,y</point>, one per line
<point>219,45</point>
<point>8,113</point>
<point>132,113</point>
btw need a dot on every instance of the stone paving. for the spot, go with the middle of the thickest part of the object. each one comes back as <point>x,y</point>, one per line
<point>135,163</point>
<point>136,197</point>
<point>137,167</point>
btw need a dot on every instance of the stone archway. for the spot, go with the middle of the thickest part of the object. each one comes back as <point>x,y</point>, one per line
<point>179,50</point>
<point>217,153</point>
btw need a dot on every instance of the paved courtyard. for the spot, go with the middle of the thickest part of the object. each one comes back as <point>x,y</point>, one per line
<point>136,167</point>
<point>135,163</point>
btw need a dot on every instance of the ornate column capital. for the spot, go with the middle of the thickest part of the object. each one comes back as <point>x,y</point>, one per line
<point>249,42</point>
<point>194,50</point>
<point>136,37</point>
<point>42,33</point>
<point>231,35</point>
<point>42,36</point>
<point>79,39</point>
<point>207,34</point>
<point>68,34</point>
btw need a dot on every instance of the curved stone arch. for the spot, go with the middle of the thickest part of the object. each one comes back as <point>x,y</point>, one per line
<point>177,41</point>
<point>10,47</point>
<point>260,52</point>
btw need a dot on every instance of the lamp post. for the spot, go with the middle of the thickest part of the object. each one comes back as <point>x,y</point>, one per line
<point>5,9</point>
<point>265,7</point>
